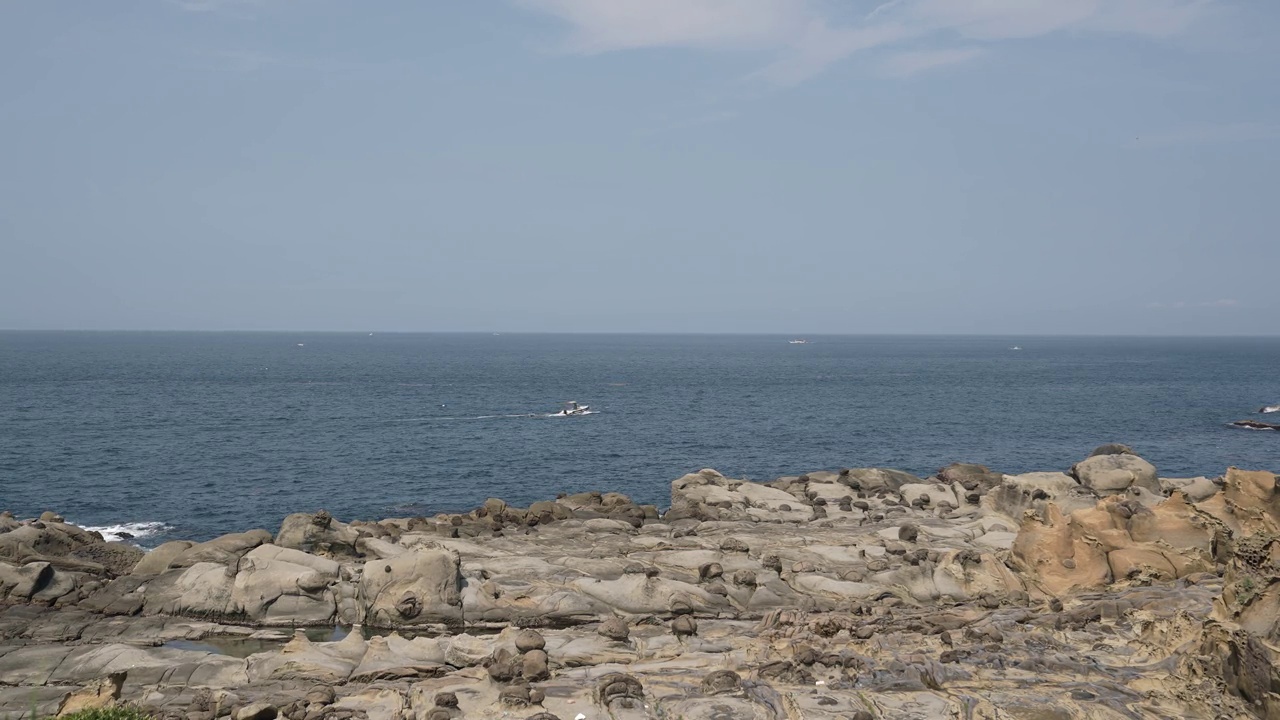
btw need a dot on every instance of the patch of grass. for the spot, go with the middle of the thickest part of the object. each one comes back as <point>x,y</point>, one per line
<point>1246,590</point>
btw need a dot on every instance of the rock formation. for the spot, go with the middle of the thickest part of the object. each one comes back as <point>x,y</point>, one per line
<point>1108,592</point>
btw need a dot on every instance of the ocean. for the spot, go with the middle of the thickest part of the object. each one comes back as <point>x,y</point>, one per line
<point>191,435</point>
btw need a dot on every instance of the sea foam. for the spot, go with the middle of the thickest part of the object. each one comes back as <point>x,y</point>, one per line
<point>129,531</point>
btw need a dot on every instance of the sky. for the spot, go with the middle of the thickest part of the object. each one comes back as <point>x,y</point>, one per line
<point>736,166</point>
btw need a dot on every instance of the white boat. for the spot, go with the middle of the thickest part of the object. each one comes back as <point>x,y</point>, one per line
<point>798,342</point>
<point>1015,347</point>
<point>571,409</point>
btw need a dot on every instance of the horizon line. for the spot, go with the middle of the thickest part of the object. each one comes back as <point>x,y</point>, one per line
<point>797,335</point>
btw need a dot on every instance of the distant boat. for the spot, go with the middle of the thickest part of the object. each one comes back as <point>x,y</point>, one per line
<point>799,342</point>
<point>300,345</point>
<point>1015,347</point>
<point>573,409</point>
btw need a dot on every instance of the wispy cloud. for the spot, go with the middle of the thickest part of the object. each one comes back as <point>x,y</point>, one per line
<point>1204,133</point>
<point>1181,304</point>
<point>807,36</point>
<point>909,63</point>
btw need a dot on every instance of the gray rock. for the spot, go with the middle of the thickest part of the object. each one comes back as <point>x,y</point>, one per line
<point>1112,474</point>
<point>527,640</point>
<point>614,628</point>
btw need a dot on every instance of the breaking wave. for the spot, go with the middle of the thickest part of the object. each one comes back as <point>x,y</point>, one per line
<point>129,531</point>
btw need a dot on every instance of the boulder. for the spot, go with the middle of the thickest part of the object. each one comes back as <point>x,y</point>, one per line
<point>1112,449</point>
<point>102,693</point>
<point>318,533</point>
<point>420,587</point>
<point>875,479</point>
<point>970,476</point>
<point>160,559</point>
<point>225,550</point>
<point>1115,473</point>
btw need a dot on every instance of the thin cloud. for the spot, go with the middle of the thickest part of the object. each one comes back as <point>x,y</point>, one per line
<point>806,37</point>
<point>910,63</point>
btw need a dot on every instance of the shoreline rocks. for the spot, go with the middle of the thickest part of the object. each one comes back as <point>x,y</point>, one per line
<point>867,592</point>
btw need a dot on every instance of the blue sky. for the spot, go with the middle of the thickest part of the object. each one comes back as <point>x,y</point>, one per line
<point>789,166</point>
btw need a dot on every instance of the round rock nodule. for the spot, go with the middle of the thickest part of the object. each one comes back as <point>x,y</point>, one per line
<point>619,688</point>
<point>527,640</point>
<point>615,628</point>
<point>684,625</point>
<point>721,682</point>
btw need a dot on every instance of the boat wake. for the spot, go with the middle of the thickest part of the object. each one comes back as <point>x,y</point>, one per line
<point>576,414</point>
<point>463,417</point>
<point>129,531</point>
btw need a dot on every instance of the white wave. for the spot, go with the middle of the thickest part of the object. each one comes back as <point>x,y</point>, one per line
<point>560,415</point>
<point>1269,409</point>
<point>129,531</point>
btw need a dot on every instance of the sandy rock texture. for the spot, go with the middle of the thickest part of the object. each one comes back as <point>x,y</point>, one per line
<point>1105,592</point>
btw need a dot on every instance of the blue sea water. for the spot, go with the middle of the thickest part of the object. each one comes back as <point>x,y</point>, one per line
<point>207,433</point>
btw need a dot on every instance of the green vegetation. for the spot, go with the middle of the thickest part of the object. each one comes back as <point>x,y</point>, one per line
<point>1246,590</point>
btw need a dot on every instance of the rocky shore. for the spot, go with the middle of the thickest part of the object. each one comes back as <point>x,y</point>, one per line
<point>1105,592</point>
